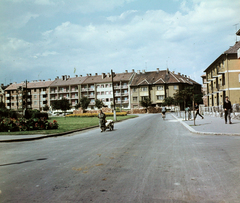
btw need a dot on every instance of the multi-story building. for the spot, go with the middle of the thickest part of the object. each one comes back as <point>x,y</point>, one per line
<point>33,95</point>
<point>100,87</point>
<point>204,90</point>
<point>223,77</point>
<point>67,87</point>
<point>2,89</point>
<point>157,85</point>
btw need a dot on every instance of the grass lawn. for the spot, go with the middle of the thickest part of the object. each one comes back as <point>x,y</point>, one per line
<point>67,124</point>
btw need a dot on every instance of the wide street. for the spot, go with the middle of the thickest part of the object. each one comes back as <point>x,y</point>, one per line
<point>143,160</point>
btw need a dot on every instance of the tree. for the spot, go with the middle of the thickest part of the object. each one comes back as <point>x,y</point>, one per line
<point>146,102</point>
<point>99,104</point>
<point>2,105</point>
<point>46,108</point>
<point>84,102</point>
<point>77,106</point>
<point>62,104</point>
<point>168,101</point>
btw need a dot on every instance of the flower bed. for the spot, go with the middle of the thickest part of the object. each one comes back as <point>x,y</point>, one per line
<point>96,114</point>
<point>22,124</point>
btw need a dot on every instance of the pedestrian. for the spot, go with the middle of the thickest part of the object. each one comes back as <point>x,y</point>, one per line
<point>163,111</point>
<point>197,113</point>
<point>188,110</point>
<point>102,121</point>
<point>227,109</point>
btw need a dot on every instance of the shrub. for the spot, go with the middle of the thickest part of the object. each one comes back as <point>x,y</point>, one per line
<point>24,124</point>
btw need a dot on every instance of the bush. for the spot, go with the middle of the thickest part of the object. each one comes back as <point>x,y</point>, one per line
<point>8,113</point>
<point>35,114</point>
<point>24,124</point>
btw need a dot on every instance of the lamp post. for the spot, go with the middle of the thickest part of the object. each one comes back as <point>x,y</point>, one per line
<point>114,108</point>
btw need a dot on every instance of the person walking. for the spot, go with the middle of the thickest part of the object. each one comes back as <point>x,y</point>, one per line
<point>197,113</point>
<point>102,121</point>
<point>163,112</point>
<point>227,109</point>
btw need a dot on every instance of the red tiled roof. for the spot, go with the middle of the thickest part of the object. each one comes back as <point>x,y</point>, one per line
<point>160,77</point>
<point>30,85</point>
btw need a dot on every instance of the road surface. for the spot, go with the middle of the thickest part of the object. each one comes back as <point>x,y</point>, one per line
<point>143,160</point>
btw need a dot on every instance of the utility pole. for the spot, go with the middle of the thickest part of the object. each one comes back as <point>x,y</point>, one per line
<point>114,108</point>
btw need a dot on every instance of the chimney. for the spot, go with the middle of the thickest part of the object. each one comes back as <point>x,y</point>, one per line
<point>63,77</point>
<point>143,71</point>
<point>68,76</point>
<point>108,75</point>
<point>138,72</point>
<point>90,74</point>
<point>173,72</point>
<point>126,71</point>
<point>76,76</point>
<point>157,70</point>
<point>133,70</point>
<point>87,74</point>
<point>39,80</point>
<point>96,74</point>
<point>49,79</point>
<point>80,75</point>
<point>103,75</point>
<point>179,73</point>
<point>57,77</point>
<point>185,76</point>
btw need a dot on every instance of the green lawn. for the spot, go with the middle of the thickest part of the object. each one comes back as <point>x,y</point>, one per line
<point>67,124</point>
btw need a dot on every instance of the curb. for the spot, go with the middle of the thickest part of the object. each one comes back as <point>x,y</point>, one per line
<point>203,133</point>
<point>54,135</point>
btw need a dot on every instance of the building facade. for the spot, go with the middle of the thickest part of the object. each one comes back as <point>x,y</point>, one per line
<point>158,85</point>
<point>223,77</point>
<point>32,95</point>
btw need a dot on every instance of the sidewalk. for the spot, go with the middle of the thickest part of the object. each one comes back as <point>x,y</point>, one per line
<point>211,125</point>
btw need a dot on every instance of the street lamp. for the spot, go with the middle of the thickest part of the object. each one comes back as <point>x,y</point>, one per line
<point>114,108</point>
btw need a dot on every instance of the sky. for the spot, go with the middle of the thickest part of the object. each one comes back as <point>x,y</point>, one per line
<point>43,39</point>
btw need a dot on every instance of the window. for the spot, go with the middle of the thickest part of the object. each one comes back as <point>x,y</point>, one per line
<point>134,89</point>
<point>35,102</point>
<point>160,87</point>
<point>135,99</point>
<point>175,87</point>
<point>144,89</point>
<point>160,97</point>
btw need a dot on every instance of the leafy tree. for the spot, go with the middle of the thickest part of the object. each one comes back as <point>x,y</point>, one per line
<point>62,104</point>
<point>2,105</point>
<point>77,106</point>
<point>56,105</point>
<point>146,102</point>
<point>46,108</point>
<point>84,102</point>
<point>168,101</point>
<point>99,104</point>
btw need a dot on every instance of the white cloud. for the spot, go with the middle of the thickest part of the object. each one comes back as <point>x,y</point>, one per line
<point>186,41</point>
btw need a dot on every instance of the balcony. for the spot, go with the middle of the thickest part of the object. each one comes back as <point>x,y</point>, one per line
<point>84,89</point>
<point>8,101</point>
<point>221,87</point>
<point>91,96</point>
<point>214,73</point>
<point>92,103</point>
<point>221,70</point>
<point>215,89</point>
<point>91,89</point>
<point>7,95</point>
<point>43,92</point>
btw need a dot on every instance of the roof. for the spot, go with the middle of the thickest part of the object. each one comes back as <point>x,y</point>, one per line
<point>30,85</point>
<point>232,50</point>
<point>107,78</point>
<point>160,77</point>
<point>68,81</point>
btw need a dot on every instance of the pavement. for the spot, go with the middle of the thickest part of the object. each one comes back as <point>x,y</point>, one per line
<point>210,125</point>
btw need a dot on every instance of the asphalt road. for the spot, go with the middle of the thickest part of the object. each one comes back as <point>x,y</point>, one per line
<point>144,159</point>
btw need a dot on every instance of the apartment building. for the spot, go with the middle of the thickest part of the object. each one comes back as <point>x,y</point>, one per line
<point>67,87</point>
<point>33,95</point>
<point>100,87</point>
<point>157,85</point>
<point>2,89</point>
<point>223,77</point>
<point>204,90</point>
